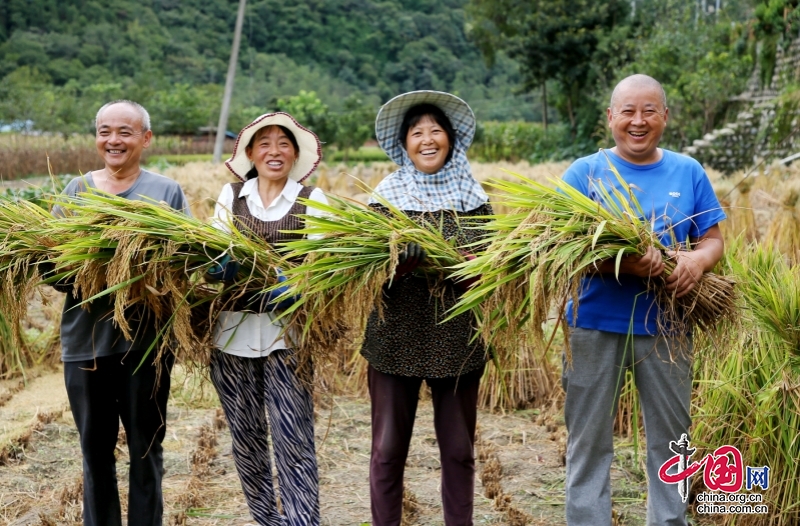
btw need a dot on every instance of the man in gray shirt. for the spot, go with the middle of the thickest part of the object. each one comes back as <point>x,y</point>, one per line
<point>99,363</point>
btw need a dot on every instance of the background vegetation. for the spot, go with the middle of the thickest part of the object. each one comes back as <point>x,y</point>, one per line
<point>332,63</point>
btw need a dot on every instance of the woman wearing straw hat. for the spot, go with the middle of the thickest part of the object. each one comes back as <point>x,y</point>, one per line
<point>254,369</point>
<point>427,133</point>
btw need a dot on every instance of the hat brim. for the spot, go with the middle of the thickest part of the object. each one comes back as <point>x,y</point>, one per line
<point>310,148</point>
<point>390,119</point>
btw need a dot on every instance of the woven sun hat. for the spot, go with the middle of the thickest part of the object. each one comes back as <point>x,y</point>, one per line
<point>390,117</point>
<point>310,147</point>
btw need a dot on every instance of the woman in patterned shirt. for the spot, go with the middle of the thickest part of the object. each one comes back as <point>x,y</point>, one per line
<point>427,133</point>
<point>254,366</point>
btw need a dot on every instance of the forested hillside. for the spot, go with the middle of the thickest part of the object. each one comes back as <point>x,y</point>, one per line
<point>333,62</point>
<point>61,58</point>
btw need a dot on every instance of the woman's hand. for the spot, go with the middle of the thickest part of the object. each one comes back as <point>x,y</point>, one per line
<point>267,301</point>
<point>412,256</point>
<point>224,270</point>
<point>465,284</point>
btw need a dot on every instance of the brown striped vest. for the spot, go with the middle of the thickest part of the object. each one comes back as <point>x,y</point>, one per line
<point>269,231</point>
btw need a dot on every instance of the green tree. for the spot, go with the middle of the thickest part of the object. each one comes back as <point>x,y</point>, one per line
<point>183,109</point>
<point>309,111</point>
<point>551,40</point>
<point>354,125</point>
<point>776,23</point>
<point>702,62</point>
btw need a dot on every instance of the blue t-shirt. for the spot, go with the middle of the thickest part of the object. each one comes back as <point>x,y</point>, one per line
<point>676,192</point>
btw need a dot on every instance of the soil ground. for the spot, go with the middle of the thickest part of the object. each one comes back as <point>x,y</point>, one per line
<point>520,459</point>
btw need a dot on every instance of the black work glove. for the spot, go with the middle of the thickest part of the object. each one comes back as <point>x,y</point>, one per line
<point>224,270</point>
<point>465,284</point>
<point>265,301</point>
<point>47,270</point>
<point>412,256</point>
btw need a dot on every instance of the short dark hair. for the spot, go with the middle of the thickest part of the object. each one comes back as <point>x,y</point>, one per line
<point>253,173</point>
<point>417,113</point>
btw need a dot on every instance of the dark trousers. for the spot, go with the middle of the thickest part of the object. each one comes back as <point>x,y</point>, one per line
<point>99,398</point>
<point>394,406</point>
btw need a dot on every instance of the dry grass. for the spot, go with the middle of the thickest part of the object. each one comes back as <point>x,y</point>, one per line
<point>201,461</point>
<point>491,474</point>
<point>70,505</point>
<point>25,155</point>
<point>203,181</point>
<point>14,448</point>
<point>763,206</point>
<point>410,508</point>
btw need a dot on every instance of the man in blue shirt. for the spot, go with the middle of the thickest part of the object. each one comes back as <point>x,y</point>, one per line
<point>615,327</point>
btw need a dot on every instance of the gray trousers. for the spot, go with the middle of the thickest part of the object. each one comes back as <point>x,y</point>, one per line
<point>592,385</point>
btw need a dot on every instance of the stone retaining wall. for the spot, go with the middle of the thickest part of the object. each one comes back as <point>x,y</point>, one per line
<point>745,142</point>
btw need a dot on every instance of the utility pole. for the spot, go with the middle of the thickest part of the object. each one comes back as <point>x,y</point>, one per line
<point>544,105</point>
<point>226,97</point>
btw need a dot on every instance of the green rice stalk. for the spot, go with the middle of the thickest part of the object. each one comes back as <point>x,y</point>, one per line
<point>350,255</point>
<point>24,243</point>
<point>151,257</point>
<point>751,399</point>
<point>144,255</point>
<point>14,359</point>
<point>555,236</point>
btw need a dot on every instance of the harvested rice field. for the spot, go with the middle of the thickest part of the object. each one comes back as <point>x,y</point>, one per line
<point>520,453</point>
<point>520,463</point>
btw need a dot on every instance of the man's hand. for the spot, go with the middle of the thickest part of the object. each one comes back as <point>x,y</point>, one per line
<point>648,265</point>
<point>687,273</point>
<point>47,269</point>
<point>692,264</point>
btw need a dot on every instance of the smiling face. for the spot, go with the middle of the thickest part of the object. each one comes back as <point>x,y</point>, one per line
<point>427,145</point>
<point>637,120</point>
<point>120,138</point>
<point>272,153</point>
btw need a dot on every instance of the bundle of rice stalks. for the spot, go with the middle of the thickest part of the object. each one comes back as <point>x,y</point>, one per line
<point>14,360</point>
<point>25,242</point>
<point>750,399</point>
<point>525,378</point>
<point>152,256</point>
<point>539,253</point>
<point>348,257</point>
<point>145,256</point>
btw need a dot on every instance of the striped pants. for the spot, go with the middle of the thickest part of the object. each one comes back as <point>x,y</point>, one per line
<point>246,386</point>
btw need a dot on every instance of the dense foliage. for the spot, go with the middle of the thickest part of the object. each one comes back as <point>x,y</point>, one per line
<point>334,61</point>
<point>60,60</point>
<point>583,49</point>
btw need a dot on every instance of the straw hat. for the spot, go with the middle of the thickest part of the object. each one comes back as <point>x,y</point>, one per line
<point>310,148</point>
<point>390,118</point>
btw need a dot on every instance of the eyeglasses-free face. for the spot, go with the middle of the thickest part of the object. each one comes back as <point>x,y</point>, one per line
<point>427,145</point>
<point>637,122</point>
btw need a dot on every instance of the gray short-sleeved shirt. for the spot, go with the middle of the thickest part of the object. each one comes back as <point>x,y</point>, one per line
<point>86,334</point>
